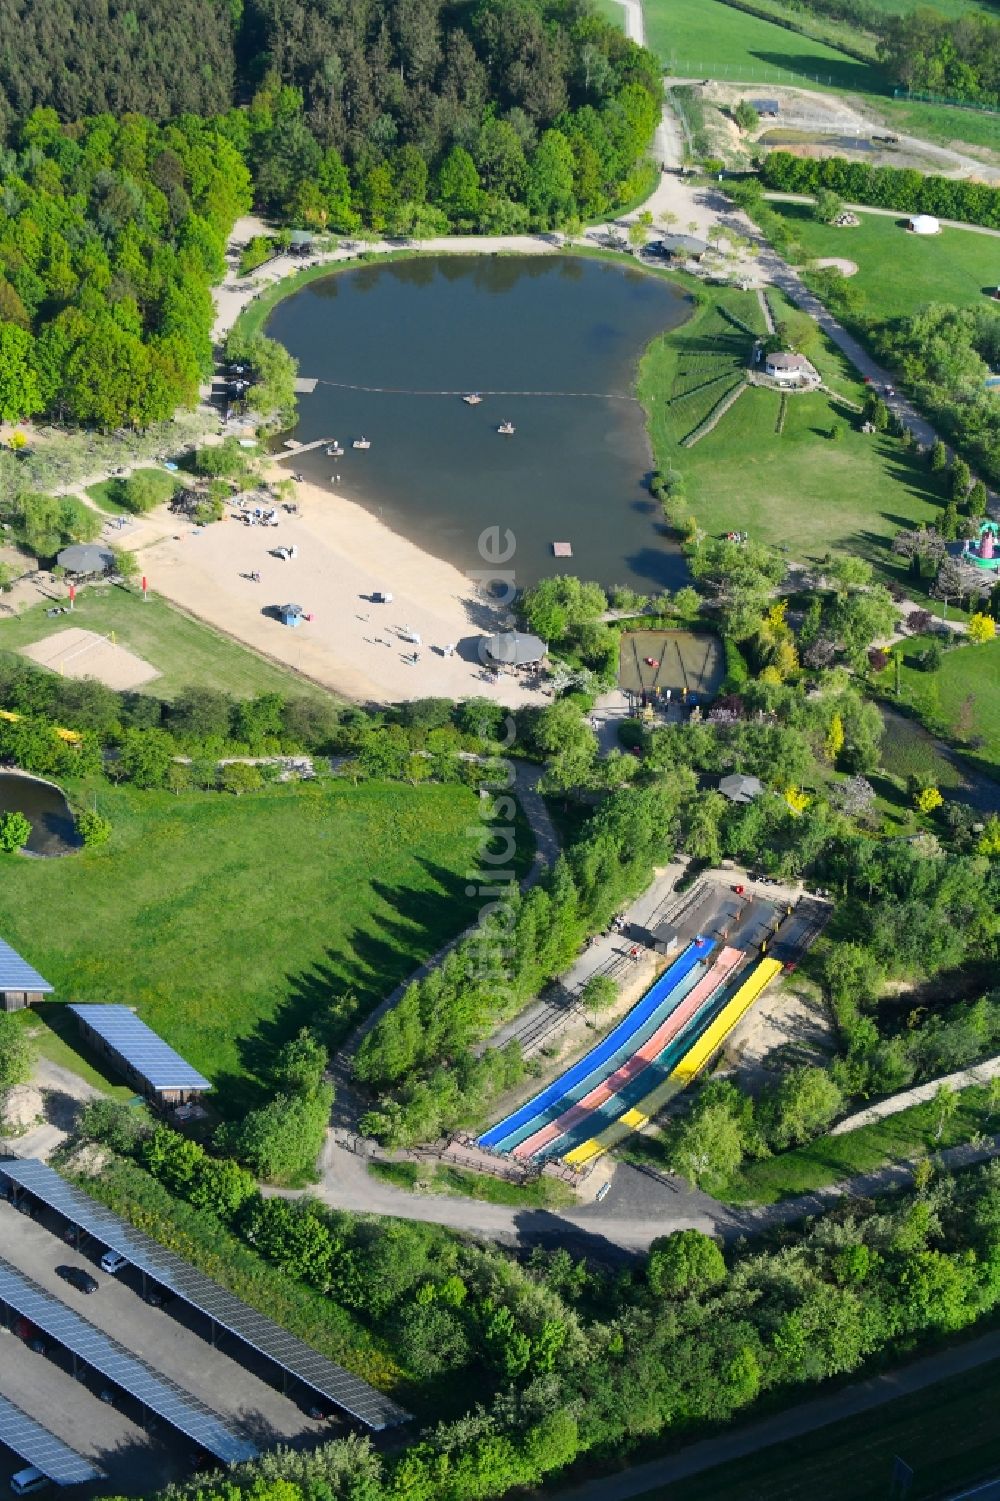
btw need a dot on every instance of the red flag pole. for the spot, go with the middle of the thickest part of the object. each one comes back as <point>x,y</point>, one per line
<point>144,596</point>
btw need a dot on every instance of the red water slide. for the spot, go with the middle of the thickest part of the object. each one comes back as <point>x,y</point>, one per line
<point>651,1049</point>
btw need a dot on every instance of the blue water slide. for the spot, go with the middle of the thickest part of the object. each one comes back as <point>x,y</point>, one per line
<point>625,1029</point>
<point>607,1066</point>
<point>643,1084</point>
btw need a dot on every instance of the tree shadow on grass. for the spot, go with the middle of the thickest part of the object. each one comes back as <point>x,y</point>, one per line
<point>57,1017</point>
<point>334,994</point>
<point>843,73</point>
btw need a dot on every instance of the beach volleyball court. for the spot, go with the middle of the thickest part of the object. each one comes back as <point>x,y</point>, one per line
<point>77,653</point>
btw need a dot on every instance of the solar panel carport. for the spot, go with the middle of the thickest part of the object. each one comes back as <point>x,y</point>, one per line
<point>158,1394</point>
<point>38,1447</point>
<point>292,1356</point>
<point>140,1053</point>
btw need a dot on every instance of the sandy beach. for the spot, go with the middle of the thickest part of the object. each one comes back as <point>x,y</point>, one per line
<point>345,555</point>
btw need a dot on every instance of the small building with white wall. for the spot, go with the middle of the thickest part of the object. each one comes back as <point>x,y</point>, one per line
<point>791,370</point>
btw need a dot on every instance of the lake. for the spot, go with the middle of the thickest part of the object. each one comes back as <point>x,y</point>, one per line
<point>564,332</point>
<point>53,830</point>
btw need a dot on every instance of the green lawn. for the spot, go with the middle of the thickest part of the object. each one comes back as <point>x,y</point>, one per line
<point>796,489</point>
<point>708,39</point>
<point>960,701</point>
<point>183,649</point>
<point>441,1178</point>
<point>953,266</point>
<point>232,922</point>
<point>109,494</point>
<point>947,1434</point>
<point>833,1158</point>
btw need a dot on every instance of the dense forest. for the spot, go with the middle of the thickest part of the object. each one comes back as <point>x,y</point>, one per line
<point>405,118</point>
<point>958,57</point>
<point>84,57</point>
<point>513,113</point>
<point>111,234</point>
<point>420,102</point>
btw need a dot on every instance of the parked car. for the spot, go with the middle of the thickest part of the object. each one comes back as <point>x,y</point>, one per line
<point>78,1277</point>
<point>112,1262</point>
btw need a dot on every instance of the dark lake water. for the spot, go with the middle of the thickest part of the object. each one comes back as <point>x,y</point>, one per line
<point>437,470</point>
<point>53,831</point>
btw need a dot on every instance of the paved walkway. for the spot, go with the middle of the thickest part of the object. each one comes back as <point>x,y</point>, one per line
<point>641,1205</point>
<point>793,1423</point>
<point>980,1073</point>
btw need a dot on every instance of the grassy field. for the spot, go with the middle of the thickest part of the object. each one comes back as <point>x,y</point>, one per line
<point>833,1158</point>
<point>947,1434</point>
<point>907,749</point>
<point>953,266</point>
<point>230,923</point>
<point>961,700</point>
<point>184,650</point>
<point>796,489</point>
<point>708,39</point>
<point>947,125</point>
<point>440,1178</point>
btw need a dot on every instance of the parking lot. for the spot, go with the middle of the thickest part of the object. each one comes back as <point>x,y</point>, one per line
<point>134,1461</point>
<point>173,1339</point>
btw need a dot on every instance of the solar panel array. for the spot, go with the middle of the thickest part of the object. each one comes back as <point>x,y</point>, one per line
<point>344,1390</point>
<point>38,1447</point>
<point>17,974</point>
<point>140,1046</point>
<point>105,1355</point>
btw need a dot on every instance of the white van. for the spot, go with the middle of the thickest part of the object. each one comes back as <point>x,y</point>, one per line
<point>28,1482</point>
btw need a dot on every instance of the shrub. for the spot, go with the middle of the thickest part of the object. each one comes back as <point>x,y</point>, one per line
<point>15,831</point>
<point>238,777</point>
<point>92,828</point>
<point>685,1262</point>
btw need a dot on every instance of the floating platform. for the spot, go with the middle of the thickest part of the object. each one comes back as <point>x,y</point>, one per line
<point>562,549</point>
<point>305,385</point>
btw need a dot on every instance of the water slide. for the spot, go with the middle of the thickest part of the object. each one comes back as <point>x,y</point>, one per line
<point>646,1053</point>
<point>669,1001</point>
<point>690,1065</point>
<point>603,1051</point>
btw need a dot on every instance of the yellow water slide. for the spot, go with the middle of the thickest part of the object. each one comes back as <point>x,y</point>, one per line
<point>690,1065</point>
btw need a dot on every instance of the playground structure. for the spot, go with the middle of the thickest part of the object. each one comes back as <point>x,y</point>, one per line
<point>661,667</point>
<point>984,550</point>
<point>665,1042</point>
<point>71,737</point>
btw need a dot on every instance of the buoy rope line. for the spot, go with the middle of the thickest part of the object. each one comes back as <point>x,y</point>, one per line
<point>403,391</point>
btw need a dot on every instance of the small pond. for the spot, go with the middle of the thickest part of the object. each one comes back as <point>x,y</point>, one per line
<point>53,831</point>
<point>806,138</point>
<point>552,342</point>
